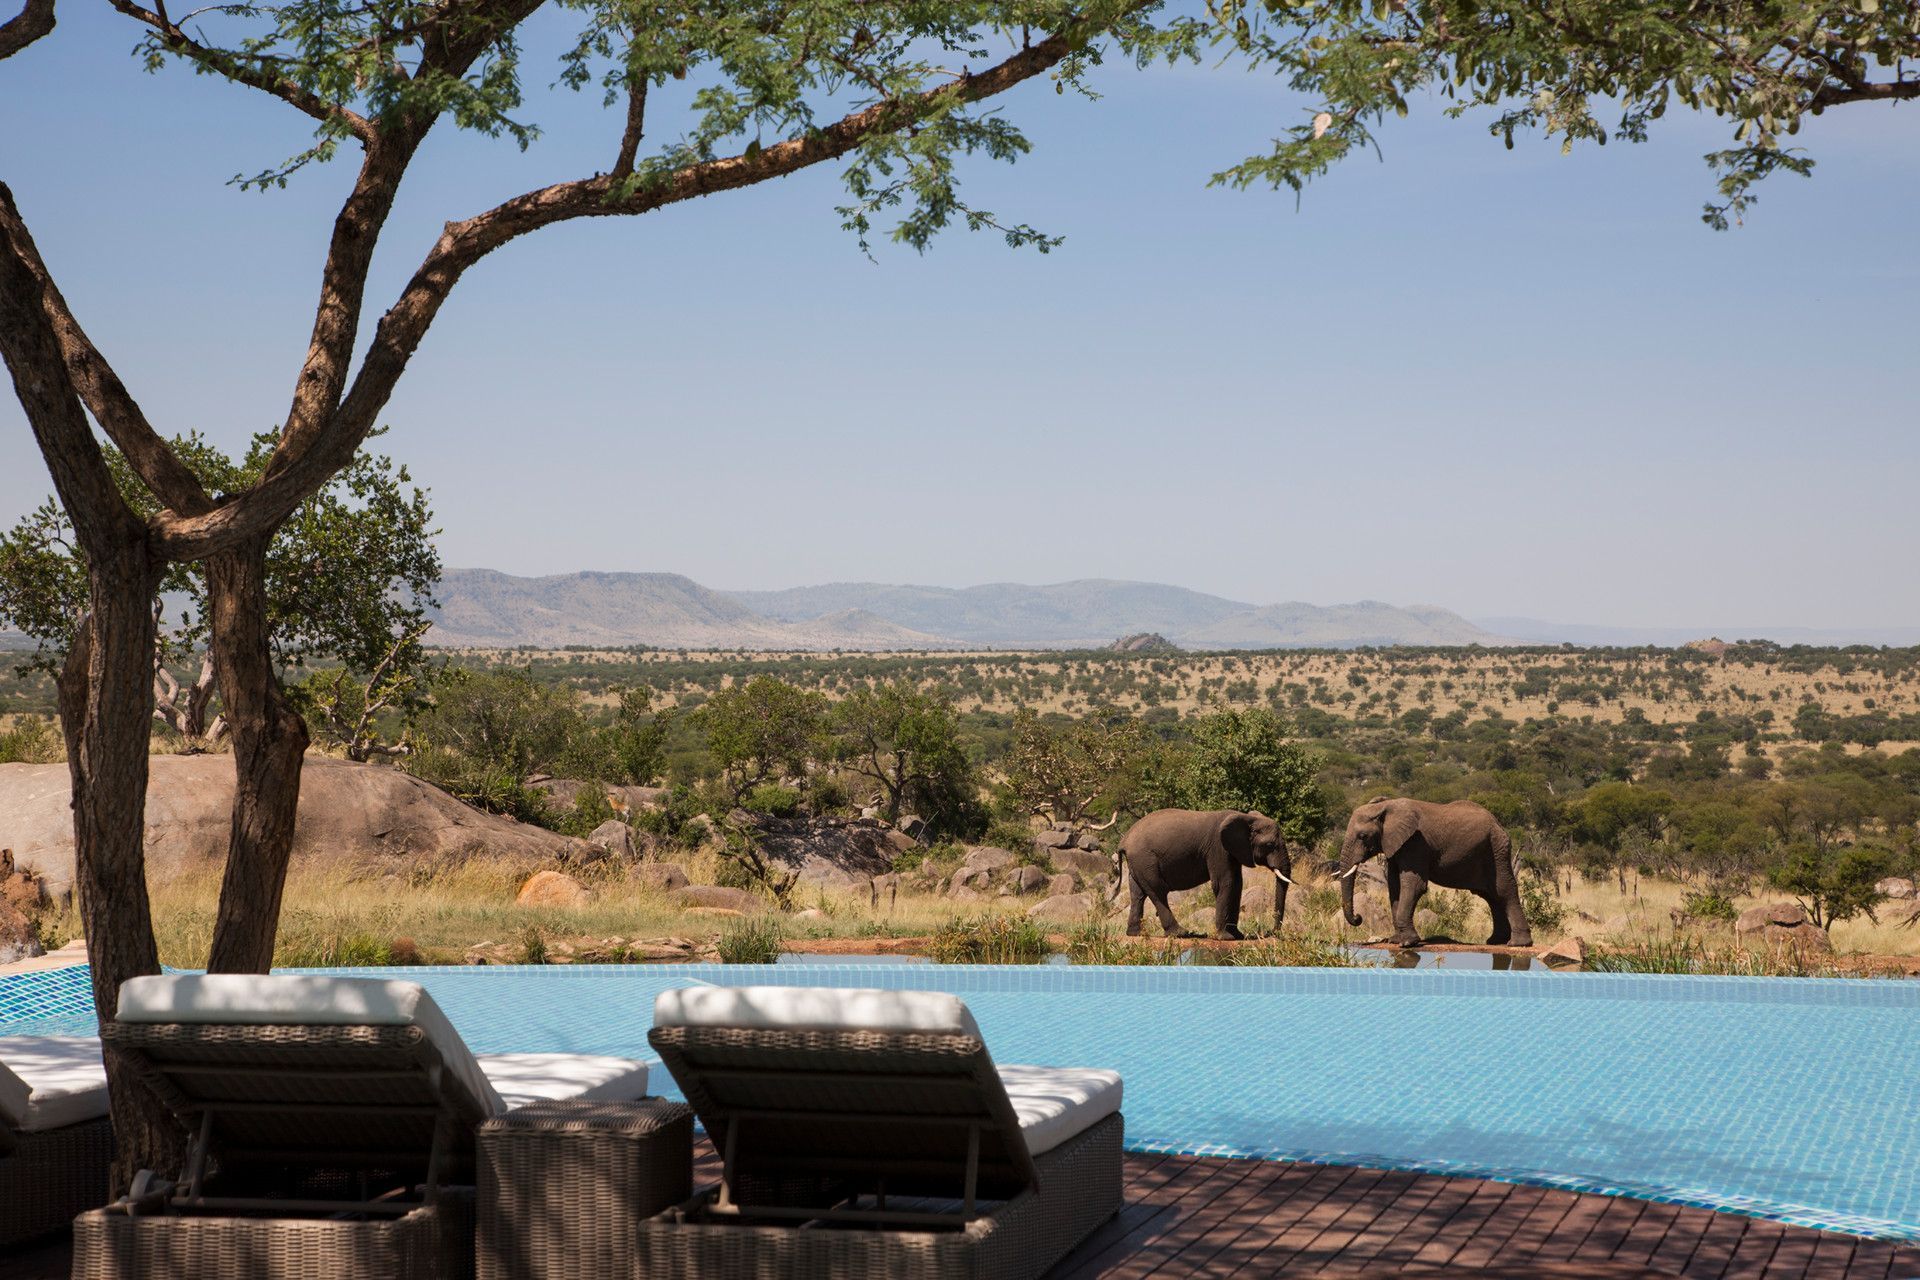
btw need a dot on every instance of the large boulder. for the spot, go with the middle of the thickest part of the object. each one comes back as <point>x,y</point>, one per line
<point>1898,888</point>
<point>1064,883</point>
<point>1067,908</point>
<point>661,877</point>
<point>614,836</point>
<point>986,858</point>
<point>1782,924</point>
<point>717,897</point>
<point>21,895</point>
<point>828,853</point>
<point>552,889</point>
<point>1053,838</point>
<point>349,813</point>
<point>1086,863</point>
<point>1028,879</point>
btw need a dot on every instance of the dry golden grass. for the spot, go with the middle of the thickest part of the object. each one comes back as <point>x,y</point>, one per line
<point>337,916</point>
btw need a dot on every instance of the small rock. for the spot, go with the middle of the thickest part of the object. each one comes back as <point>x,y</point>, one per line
<point>1068,908</point>
<point>717,897</point>
<point>901,842</point>
<point>1064,883</point>
<point>1569,950</point>
<point>615,836</point>
<point>969,878</point>
<point>911,825</point>
<point>661,877</point>
<point>1053,839</point>
<point>552,889</point>
<point>1029,879</point>
<point>1622,923</point>
<point>811,913</point>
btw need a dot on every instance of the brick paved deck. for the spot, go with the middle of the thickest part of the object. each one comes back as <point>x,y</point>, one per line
<point>1245,1218</point>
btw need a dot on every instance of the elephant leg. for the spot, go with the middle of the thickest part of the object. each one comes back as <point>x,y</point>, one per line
<point>1411,887</point>
<point>1519,933</point>
<point>1502,927</point>
<point>1509,914</point>
<point>1226,906</point>
<point>1169,923</point>
<point>1137,906</point>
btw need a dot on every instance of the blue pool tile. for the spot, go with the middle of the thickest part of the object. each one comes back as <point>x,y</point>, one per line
<point>1792,1099</point>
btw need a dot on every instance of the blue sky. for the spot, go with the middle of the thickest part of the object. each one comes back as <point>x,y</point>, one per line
<point>1505,382</point>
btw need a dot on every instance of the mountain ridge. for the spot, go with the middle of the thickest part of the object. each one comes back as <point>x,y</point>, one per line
<point>485,608</point>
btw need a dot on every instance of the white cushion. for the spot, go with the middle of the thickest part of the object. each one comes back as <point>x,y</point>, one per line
<point>285,999</point>
<point>1056,1103</point>
<point>815,1009</point>
<point>521,1078</point>
<point>50,1082</point>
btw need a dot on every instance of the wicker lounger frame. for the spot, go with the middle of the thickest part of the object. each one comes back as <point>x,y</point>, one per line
<point>910,1136</point>
<point>331,1103</point>
<point>48,1177</point>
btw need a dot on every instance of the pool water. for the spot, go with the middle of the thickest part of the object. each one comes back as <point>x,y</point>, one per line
<point>1794,1099</point>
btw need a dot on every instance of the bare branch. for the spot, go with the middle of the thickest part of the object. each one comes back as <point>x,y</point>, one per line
<point>35,20</point>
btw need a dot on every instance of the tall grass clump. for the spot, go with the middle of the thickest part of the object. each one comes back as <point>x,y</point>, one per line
<point>990,939</point>
<point>754,940</point>
<point>1293,951</point>
<point>1683,955</point>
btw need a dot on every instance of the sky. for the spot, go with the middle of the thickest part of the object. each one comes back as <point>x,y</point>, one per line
<point>1506,382</point>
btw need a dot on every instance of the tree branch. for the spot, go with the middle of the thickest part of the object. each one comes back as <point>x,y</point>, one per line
<point>237,70</point>
<point>101,517</point>
<point>34,20</point>
<point>105,396</point>
<point>636,121</point>
<point>462,244</point>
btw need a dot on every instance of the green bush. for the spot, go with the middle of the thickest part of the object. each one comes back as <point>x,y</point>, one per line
<point>990,939</point>
<point>589,810</point>
<point>1707,904</point>
<point>1545,912</point>
<point>754,940</point>
<point>32,740</point>
<point>773,800</point>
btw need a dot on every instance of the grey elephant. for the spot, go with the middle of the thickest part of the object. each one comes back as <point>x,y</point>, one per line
<point>1184,848</point>
<point>1456,846</point>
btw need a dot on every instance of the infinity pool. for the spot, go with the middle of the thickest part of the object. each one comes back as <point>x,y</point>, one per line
<point>1794,1099</point>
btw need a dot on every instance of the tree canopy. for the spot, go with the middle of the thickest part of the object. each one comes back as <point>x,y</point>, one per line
<point>349,580</point>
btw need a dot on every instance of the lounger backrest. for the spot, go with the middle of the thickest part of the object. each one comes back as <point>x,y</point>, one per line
<point>804,1081</point>
<point>295,1069</point>
<point>13,1106</point>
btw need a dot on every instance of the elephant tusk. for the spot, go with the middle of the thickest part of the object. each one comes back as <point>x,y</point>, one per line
<point>1349,871</point>
<point>1279,876</point>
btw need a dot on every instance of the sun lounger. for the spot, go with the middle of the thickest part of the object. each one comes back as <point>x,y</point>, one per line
<point>55,1142</point>
<point>869,1133</point>
<point>331,1125</point>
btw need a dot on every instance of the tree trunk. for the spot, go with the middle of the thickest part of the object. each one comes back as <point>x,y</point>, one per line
<point>106,704</point>
<point>269,741</point>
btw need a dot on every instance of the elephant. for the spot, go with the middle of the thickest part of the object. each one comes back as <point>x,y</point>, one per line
<point>1456,846</point>
<point>1183,848</point>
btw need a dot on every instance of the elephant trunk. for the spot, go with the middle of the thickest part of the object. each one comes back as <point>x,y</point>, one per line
<point>1350,859</point>
<point>1279,901</point>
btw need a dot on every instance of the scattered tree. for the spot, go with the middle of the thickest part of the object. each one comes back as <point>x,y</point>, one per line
<point>907,741</point>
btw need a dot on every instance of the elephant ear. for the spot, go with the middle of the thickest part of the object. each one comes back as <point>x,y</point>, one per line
<point>1397,826</point>
<point>1236,837</point>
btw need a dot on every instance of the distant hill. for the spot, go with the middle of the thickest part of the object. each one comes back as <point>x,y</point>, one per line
<point>1083,614</point>
<point>481,608</point>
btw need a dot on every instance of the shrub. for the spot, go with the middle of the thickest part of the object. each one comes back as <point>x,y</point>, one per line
<point>589,810</point>
<point>1709,904</point>
<point>1545,911</point>
<point>32,740</point>
<point>754,940</point>
<point>990,939</point>
<point>533,947</point>
<point>773,800</point>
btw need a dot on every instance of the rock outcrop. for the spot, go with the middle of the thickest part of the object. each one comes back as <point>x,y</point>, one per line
<point>831,853</point>
<point>552,889</point>
<point>364,813</point>
<point>1782,924</point>
<point>21,896</point>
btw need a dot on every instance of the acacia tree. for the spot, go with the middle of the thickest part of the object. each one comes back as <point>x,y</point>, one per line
<point>907,740</point>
